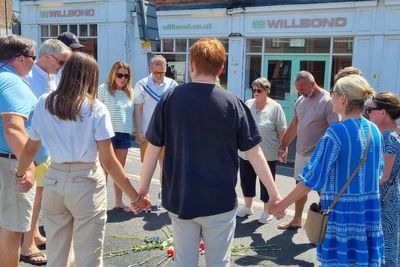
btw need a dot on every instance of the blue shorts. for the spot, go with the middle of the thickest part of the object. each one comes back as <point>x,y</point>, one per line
<point>121,140</point>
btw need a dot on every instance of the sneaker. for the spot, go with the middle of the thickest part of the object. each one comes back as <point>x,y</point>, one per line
<point>244,211</point>
<point>265,217</point>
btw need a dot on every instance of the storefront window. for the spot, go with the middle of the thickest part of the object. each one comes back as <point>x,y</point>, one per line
<point>180,45</point>
<point>342,45</point>
<point>254,45</point>
<point>338,63</point>
<point>176,52</point>
<point>87,34</point>
<point>297,45</point>
<point>168,45</point>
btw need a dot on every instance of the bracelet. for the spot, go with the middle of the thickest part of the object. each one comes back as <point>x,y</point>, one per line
<point>137,200</point>
<point>19,176</point>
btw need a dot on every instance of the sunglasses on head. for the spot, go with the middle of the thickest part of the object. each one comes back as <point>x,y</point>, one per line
<point>120,75</point>
<point>258,91</point>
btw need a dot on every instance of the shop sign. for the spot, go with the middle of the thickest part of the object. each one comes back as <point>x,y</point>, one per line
<point>58,13</point>
<point>333,22</point>
<point>187,26</point>
<point>146,47</point>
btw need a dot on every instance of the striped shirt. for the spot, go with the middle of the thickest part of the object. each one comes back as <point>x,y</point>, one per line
<point>120,108</point>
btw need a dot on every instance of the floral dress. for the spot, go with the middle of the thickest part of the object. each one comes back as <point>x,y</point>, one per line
<point>354,233</point>
<point>390,197</point>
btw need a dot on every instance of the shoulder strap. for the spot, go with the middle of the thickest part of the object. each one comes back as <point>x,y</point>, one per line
<point>333,204</point>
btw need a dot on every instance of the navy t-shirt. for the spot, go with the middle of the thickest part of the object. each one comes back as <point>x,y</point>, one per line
<point>202,126</point>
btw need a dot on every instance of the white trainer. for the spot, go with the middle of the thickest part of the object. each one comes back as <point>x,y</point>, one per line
<point>244,211</point>
<point>265,217</point>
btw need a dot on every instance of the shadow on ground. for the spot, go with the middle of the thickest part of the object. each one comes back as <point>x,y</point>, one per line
<point>279,249</point>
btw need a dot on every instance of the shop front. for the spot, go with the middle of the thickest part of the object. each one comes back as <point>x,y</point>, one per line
<point>271,41</point>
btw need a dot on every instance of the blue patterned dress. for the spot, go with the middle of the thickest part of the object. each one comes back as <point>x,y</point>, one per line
<point>354,233</point>
<point>391,201</point>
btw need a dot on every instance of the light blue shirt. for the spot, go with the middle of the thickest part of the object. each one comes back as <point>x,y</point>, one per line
<point>16,98</point>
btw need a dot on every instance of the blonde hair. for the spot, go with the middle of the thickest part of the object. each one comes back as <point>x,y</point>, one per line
<point>345,72</point>
<point>208,55</point>
<point>112,86</point>
<point>356,89</point>
<point>262,83</point>
<point>158,60</point>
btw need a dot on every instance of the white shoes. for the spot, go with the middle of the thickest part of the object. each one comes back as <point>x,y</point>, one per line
<point>265,217</point>
<point>244,211</point>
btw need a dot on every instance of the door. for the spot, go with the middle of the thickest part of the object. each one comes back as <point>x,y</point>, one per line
<point>281,71</point>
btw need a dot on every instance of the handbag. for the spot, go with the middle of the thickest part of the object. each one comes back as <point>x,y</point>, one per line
<point>317,219</point>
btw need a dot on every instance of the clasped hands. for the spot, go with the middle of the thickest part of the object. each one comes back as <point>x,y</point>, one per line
<point>274,207</point>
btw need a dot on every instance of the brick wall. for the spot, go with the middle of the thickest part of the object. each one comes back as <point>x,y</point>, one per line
<point>3,16</point>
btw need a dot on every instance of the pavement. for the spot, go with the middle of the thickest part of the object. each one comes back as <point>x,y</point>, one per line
<point>257,244</point>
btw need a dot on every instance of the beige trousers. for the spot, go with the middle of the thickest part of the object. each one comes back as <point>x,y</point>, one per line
<point>74,206</point>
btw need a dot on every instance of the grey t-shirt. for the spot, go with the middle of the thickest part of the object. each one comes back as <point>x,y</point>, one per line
<point>314,116</point>
<point>270,121</point>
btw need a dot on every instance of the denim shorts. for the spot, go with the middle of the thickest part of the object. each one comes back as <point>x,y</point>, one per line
<point>121,140</point>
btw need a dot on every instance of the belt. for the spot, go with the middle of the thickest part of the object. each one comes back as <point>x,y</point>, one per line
<point>7,156</point>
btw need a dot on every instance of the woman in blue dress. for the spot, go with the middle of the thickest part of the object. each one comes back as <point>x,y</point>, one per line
<point>354,234</point>
<point>384,110</point>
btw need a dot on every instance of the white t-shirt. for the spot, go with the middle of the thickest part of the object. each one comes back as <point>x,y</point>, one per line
<point>148,93</point>
<point>70,141</point>
<point>40,81</point>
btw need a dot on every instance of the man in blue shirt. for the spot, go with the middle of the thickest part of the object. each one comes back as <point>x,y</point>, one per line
<point>16,107</point>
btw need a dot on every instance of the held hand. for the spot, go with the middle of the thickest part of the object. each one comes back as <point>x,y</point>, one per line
<point>139,137</point>
<point>282,155</point>
<point>25,183</point>
<point>143,204</point>
<point>275,208</point>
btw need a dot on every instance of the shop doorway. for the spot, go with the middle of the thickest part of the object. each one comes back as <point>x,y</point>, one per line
<point>281,71</point>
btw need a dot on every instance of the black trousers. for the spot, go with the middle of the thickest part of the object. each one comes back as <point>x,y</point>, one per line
<point>248,179</point>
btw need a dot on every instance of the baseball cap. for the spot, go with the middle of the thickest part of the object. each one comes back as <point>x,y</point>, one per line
<point>70,39</point>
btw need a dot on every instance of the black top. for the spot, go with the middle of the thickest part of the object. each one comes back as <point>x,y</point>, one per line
<point>202,127</point>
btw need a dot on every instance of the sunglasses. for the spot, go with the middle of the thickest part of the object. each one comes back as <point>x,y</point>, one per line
<point>59,61</point>
<point>258,91</point>
<point>26,55</point>
<point>120,75</point>
<point>332,92</point>
<point>369,109</point>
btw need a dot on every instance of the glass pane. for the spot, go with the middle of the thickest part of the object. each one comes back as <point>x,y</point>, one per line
<point>279,73</point>
<point>168,45</point>
<point>254,46</point>
<point>316,68</point>
<point>83,30</point>
<point>157,46</point>
<point>225,42</point>
<point>73,29</point>
<point>252,72</point>
<point>297,45</point>
<point>180,45</point>
<point>177,66</point>
<point>53,30</point>
<point>342,45</point>
<point>191,42</point>
<point>90,46</point>
<point>223,77</point>
<point>63,28</point>
<point>44,30</point>
<point>93,29</point>
<point>338,63</point>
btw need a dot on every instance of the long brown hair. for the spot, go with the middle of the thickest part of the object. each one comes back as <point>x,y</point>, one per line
<point>112,86</point>
<point>79,82</point>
